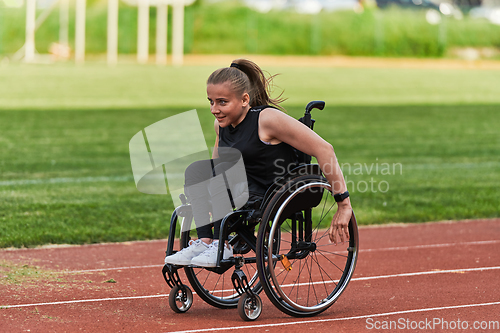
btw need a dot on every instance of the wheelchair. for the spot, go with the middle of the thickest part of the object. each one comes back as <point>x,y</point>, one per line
<point>280,245</point>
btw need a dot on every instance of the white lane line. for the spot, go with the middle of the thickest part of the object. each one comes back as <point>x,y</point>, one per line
<point>435,166</point>
<point>75,246</point>
<point>361,250</point>
<point>428,246</point>
<point>448,271</point>
<point>180,175</point>
<point>479,269</point>
<point>81,301</point>
<point>341,319</point>
<point>111,269</point>
<point>65,180</point>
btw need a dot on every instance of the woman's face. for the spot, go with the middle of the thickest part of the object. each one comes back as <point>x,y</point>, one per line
<point>227,107</point>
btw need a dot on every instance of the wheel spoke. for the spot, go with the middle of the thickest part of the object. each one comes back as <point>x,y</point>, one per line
<point>296,280</point>
<point>321,273</point>
<point>206,279</point>
<point>325,233</point>
<point>334,264</point>
<point>286,275</point>
<point>333,253</point>
<point>311,283</point>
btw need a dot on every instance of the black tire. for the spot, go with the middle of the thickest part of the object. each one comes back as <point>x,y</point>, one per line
<point>180,298</point>
<point>217,289</point>
<point>320,271</point>
<point>247,310</point>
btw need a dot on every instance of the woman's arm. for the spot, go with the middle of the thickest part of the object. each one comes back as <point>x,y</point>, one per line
<point>276,126</point>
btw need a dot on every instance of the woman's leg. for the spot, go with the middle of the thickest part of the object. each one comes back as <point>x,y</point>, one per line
<point>228,190</point>
<point>197,180</point>
<point>206,186</point>
<point>220,198</point>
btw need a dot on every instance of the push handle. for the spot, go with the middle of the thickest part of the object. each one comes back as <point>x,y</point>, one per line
<point>315,105</point>
<point>307,115</point>
<point>309,122</point>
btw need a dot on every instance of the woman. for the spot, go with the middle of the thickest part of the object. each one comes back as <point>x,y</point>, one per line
<point>244,119</point>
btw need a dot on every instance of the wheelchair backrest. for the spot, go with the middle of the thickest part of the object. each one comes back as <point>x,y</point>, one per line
<point>303,158</point>
<point>301,170</point>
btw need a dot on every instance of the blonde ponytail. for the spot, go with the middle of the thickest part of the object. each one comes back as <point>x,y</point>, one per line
<point>246,76</point>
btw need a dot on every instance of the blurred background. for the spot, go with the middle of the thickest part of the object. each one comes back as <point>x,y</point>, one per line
<point>398,28</point>
<point>412,92</point>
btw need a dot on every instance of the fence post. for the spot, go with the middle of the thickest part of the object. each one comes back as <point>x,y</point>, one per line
<point>161,33</point>
<point>178,33</point>
<point>112,35</point>
<point>29,46</point>
<point>143,31</point>
<point>80,31</point>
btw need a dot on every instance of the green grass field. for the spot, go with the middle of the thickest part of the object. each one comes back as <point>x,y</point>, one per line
<point>64,134</point>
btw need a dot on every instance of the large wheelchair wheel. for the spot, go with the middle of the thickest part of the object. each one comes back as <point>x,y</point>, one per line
<point>214,285</point>
<point>308,273</point>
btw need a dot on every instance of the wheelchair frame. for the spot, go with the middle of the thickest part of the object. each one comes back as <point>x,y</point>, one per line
<point>289,207</point>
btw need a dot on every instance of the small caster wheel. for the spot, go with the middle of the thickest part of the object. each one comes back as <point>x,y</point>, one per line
<point>249,309</point>
<point>180,298</point>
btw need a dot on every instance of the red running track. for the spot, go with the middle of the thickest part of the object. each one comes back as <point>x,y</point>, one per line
<point>435,277</point>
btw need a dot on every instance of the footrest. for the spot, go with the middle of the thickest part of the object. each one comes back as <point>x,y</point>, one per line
<point>240,283</point>
<point>171,276</point>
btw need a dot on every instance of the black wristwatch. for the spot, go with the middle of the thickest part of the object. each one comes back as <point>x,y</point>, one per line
<point>339,197</point>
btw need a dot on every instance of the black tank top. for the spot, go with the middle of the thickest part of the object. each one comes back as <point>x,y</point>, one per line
<point>264,162</point>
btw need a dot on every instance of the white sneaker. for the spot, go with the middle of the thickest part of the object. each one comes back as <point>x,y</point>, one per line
<point>209,257</point>
<point>184,256</point>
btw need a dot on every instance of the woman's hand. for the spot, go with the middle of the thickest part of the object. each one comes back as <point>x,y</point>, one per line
<point>340,222</point>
